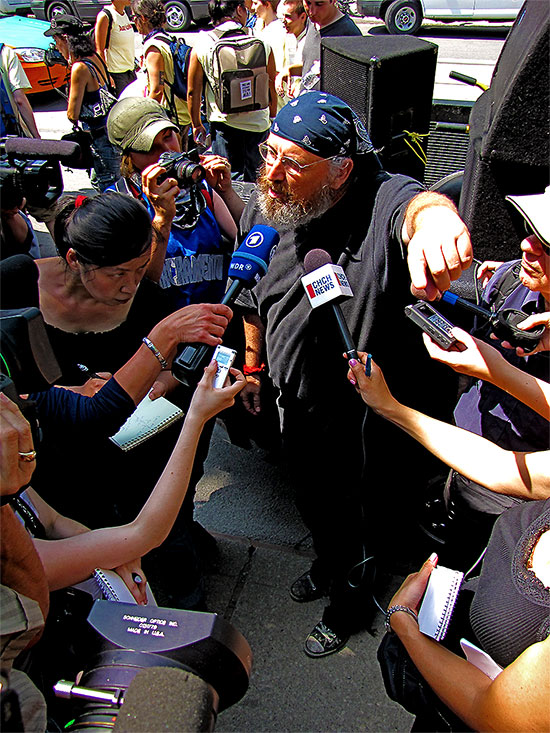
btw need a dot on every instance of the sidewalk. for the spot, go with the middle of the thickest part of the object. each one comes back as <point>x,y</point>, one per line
<point>246,503</point>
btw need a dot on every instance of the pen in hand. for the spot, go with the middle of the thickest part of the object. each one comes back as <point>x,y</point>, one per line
<point>91,375</point>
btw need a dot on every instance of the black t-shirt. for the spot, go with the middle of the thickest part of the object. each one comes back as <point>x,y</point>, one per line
<point>300,339</point>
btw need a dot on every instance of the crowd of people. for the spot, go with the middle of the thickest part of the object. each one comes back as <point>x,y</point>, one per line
<point>142,266</point>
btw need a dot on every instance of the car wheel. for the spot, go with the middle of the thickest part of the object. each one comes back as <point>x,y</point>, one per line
<point>403,17</point>
<point>178,16</point>
<point>58,7</point>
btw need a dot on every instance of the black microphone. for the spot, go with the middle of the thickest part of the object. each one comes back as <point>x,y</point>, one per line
<point>24,148</point>
<point>166,698</point>
<point>248,265</point>
<point>327,283</point>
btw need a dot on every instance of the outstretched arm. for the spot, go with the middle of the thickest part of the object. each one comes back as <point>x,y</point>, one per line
<point>480,360</point>
<point>526,475</point>
<point>75,553</point>
<point>438,244</point>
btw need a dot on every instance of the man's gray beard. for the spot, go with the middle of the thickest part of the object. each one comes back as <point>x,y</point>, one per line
<point>294,212</point>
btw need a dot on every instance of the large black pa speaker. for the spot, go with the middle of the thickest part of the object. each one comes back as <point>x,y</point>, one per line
<point>388,81</point>
<point>509,151</point>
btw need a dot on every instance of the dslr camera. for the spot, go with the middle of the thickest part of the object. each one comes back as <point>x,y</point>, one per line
<point>179,166</point>
<point>190,202</point>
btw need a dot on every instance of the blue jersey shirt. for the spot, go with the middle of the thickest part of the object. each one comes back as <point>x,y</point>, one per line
<point>196,260</point>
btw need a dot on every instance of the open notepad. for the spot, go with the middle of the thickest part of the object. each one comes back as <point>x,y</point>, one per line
<point>439,601</point>
<point>149,418</point>
<point>108,585</point>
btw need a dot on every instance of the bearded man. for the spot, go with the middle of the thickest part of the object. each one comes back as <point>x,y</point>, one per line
<point>322,187</point>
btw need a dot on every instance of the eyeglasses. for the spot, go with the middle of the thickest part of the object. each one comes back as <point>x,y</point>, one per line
<point>272,157</point>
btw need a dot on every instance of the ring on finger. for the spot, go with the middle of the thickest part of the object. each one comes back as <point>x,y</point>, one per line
<point>27,456</point>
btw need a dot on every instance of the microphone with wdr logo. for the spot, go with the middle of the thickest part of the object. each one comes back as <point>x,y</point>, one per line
<point>326,283</point>
<point>248,265</point>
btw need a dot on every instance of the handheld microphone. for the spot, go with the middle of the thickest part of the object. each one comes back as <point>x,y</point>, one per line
<point>24,148</point>
<point>326,282</point>
<point>248,265</point>
<point>504,322</point>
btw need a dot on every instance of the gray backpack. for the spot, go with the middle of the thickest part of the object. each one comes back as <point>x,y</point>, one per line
<point>239,63</point>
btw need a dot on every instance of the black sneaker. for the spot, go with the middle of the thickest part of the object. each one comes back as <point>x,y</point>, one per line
<point>323,641</point>
<point>304,589</point>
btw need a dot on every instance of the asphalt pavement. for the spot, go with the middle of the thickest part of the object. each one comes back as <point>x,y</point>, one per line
<point>246,502</point>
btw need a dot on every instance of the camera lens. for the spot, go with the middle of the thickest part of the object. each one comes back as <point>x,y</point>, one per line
<point>188,173</point>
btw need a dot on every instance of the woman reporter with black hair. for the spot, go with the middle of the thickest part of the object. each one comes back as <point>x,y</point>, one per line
<point>101,312</point>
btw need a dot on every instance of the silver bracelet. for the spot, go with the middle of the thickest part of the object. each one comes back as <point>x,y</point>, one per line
<point>394,609</point>
<point>153,349</point>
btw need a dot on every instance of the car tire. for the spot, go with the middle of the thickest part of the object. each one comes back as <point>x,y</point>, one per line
<point>403,17</point>
<point>178,16</point>
<point>58,7</point>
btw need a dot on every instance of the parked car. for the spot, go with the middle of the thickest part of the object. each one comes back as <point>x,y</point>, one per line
<point>9,7</point>
<point>405,16</point>
<point>179,13</point>
<point>26,37</point>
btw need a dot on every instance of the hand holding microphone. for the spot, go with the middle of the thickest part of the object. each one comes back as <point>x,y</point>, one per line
<point>248,265</point>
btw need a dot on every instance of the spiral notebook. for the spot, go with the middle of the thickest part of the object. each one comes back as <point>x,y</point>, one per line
<point>108,585</point>
<point>439,602</point>
<point>148,419</point>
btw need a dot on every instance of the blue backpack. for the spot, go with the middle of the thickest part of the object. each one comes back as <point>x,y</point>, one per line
<point>9,124</point>
<point>180,56</point>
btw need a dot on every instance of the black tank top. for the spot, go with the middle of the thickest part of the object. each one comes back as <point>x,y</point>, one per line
<point>511,607</point>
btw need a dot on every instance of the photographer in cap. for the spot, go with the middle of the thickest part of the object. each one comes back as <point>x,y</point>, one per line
<point>193,227</point>
<point>322,185</point>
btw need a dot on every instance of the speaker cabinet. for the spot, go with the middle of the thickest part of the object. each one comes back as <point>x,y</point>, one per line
<point>388,81</point>
<point>509,151</point>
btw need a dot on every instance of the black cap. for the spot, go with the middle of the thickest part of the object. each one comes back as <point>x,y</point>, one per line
<point>65,25</point>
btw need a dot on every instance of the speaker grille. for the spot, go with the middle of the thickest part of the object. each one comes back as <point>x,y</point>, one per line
<point>349,80</point>
<point>446,154</point>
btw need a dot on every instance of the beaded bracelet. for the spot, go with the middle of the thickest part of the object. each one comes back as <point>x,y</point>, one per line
<point>251,370</point>
<point>153,349</point>
<point>394,609</point>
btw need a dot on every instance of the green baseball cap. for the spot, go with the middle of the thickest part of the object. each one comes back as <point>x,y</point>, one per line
<point>133,123</point>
